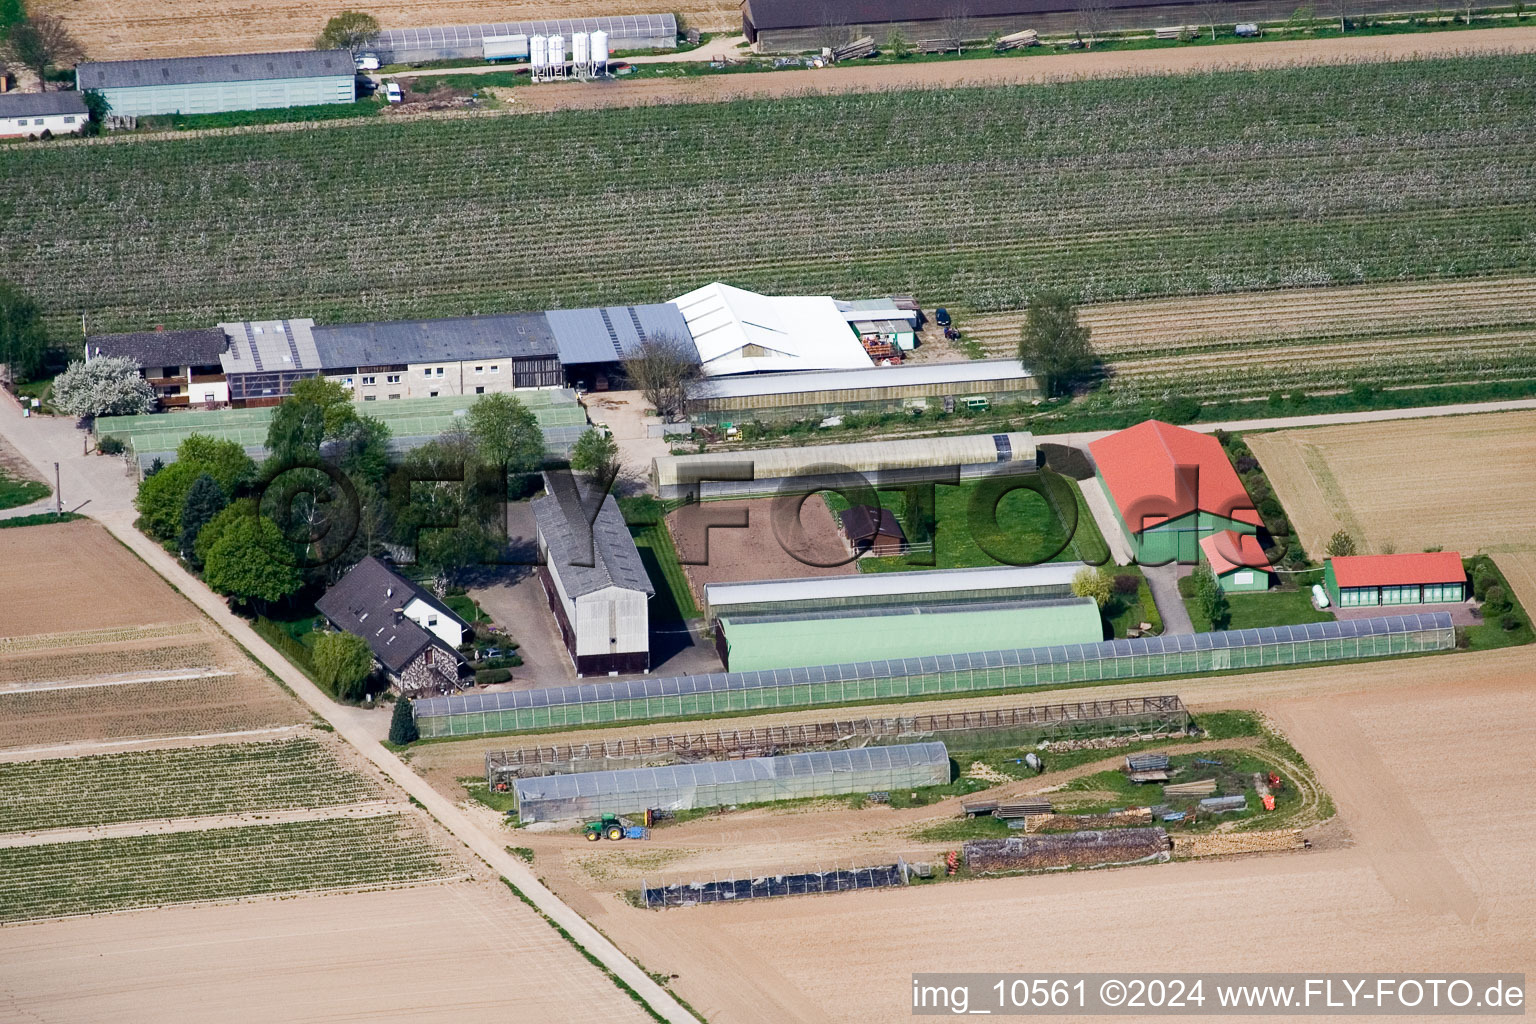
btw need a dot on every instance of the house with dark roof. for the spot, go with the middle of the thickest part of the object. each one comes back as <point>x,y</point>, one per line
<point>183,366</point>
<point>593,578</point>
<point>871,530</point>
<point>1170,489</point>
<point>413,636</point>
<point>1435,577</point>
<point>214,84</point>
<point>33,113</point>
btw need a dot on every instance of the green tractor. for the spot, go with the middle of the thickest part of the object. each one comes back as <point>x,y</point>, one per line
<point>611,827</point>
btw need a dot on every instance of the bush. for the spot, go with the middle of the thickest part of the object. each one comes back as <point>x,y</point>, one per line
<point>1482,579</point>
<point>1127,583</point>
<point>111,446</point>
<point>1223,438</point>
<point>402,726</point>
<point>1246,464</point>
<point>1270,509</point>
<point>1177,409</point>
<point>1510,623</point>
<point>1495,599</point>
<point>1186,586</point>
<point>487,676</point>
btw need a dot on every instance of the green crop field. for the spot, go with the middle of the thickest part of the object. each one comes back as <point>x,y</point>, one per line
<point>148,784</point>
<point>145,871</point>
<point>969,197</point>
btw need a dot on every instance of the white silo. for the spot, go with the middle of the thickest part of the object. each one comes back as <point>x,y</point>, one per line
<point>599,49</point>
<point>557,53</point>
<point>579,52</point>
<point>537,54</point>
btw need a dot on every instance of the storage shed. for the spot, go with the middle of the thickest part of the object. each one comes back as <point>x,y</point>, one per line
<point>877,463</point>
<point>1236,560</point>
<point>873,530</point>
<point>593,578</point>
<point>211,85</point>
<point>1171,488</point>
<point>33,113</point>
<point>1356,581</point>
<point>757,642</point>
<point>719,783</point>
<point>737,331</point>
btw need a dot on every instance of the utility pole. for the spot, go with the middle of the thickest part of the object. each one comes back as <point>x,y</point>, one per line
<point>58,496</point>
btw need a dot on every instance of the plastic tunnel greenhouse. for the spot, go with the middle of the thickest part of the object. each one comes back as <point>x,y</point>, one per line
<point>719,783</point>
<point>1143,658</point>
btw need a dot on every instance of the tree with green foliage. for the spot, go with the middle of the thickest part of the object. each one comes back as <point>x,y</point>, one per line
<point>362,450</point>
<point>223,460</point>
<point>506,434</point>
<point>12,12</point>
<point>402,725</point>
<point>41,41</point>
<point>162,497</point>
<point>105,386</point>
<point>1053,344</point>
<point>1210,598</point>
<point>205,499</point>
<point>1089,582</point>
<point>343,664</point>
<point>317,410</point>
<point>97,109</point>
<point>252,563</point>
<point>1341,544</point>
<point>208,536</point>
<point>349,30</point>
<point>597,453</point>
<point>897,46</point>
<point>23,339</point>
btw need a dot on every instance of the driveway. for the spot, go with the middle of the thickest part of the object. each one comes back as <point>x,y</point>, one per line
<point>1163,581</point>
<point>623,413</point>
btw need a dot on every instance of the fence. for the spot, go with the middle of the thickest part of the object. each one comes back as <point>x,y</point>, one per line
<point>737,692</point>
<point>688,894</point>
<point>1001,727</point>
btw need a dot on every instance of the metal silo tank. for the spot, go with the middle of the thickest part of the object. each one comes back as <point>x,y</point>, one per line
<point>538,55</point>
<point>579,51</point>
<point>599,47</point>
<point>556,50</point>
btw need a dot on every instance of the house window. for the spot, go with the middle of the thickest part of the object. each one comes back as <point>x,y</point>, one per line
<point>432,619</point>
<point>479,369</point>
<point>394,396</point>
<point>431,394</point>
<point>347,383</point>
<point>495,367</point>
<point>480,390</point>
<point>393,378</point>
<point>370,398</point>
<point>208,397</point>
<point>370,380</point>
<point>439,371</point>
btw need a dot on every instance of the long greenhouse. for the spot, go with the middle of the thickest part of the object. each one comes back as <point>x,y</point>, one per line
<point>720,783</point>
<point>736,692</point>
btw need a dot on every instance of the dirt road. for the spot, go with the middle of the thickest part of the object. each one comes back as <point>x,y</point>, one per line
<point>1017,70</point>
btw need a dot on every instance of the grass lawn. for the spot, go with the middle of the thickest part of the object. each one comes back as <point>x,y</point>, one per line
<point>1129,611</point>
<point>1491,633</point>
<point>673,601</point>
<point>42,390</point>
<point>466,608</point>
<point>15,492</point>
<point>1024,531</point>
<point>1271,608</point>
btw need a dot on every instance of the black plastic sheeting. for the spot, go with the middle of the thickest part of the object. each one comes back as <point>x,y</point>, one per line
<point>692,894</point>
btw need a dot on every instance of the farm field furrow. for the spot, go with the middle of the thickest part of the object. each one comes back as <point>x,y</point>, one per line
<point>108,661</point>
<point>61,879</point>
<point>190,782</point>
<point>1215,182</point>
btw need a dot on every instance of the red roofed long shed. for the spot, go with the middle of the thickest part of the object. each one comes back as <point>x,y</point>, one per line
<point>1434,577</point>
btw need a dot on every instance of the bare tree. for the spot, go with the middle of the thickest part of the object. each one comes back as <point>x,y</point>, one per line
<point>955,26</point>
<point>40,42</point>
<point>664,369</point>
<point>834,31</point>
<point>1094,15</point>
<point>1212,11</point>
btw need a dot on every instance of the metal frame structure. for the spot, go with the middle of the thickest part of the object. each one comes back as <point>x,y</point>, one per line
<point>804,883</point>
<point>1145,657</point>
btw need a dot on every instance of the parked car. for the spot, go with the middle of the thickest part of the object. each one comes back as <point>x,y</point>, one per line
<point>366,62</point>
<point>941,317</point>
<point>392,92</point>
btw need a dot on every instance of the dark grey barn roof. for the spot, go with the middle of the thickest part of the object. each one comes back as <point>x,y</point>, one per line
<point>607,334</point>
<point>784,14</point>
<point>233,67</point>
<point>201,347</point>
<point>38,104</point>
<point>517,335</point>
<point>587,555</point>
<point>363,603</point>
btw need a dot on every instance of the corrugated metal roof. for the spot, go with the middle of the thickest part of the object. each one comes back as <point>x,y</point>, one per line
<point>453,339</point>
<point>270,346</point>
<point>30,104</point>
<point>857,457</point>
<point>587,553</point>
<point>639,689</point>
<point>233,67</point>
<point>606,334</point>
<point>737,331</point>
<point>721,596</point>
<point>618,27</point>
<point>717,773</point>
<point>910,375</point>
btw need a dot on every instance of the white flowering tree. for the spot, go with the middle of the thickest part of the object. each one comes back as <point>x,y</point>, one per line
<point>105,386</point>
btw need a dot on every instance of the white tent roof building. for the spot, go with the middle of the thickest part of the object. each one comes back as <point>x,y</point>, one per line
<point>737,331</point>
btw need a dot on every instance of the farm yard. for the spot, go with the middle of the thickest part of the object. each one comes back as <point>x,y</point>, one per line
<point>1227,179</point>
<point>1468,491</point>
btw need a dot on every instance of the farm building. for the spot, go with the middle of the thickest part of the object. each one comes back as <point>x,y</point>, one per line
<point>872,530</point>
<point>510,39</point>
<point>737,331</point>
<point>264,359</point>
<point>1436,577</point>
<point>592,343</point>
<point>790,397</point>
<point>751,780</point>
<point>211,85</point>
<point>593,578</point>
<point>755,642</point>
<point>33,113</point>
<point>471,355</point>
<point>904,679</point>
<point>412,634</point>
<point>877,463</point>
<point>1236,560</point>
<point>930,588</point>
<point>184,367</point>
<point>1171,488</point>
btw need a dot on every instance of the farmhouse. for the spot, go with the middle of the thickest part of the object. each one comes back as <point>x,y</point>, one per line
<point>593,578</point>
<point>510,39</point>
<point>1237,560</point>
<point>184,367</point>
<point>264,359</point>
<point>848,466</point>
<point>472,355</point>
<point>1364,580</point>
<point>1171,488</point>
<point>412,634</point>
<point>210,85</point>
<point>813,395</point>
<point>737,331</point>
<point>759,641</point>
<point>33,113</point>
